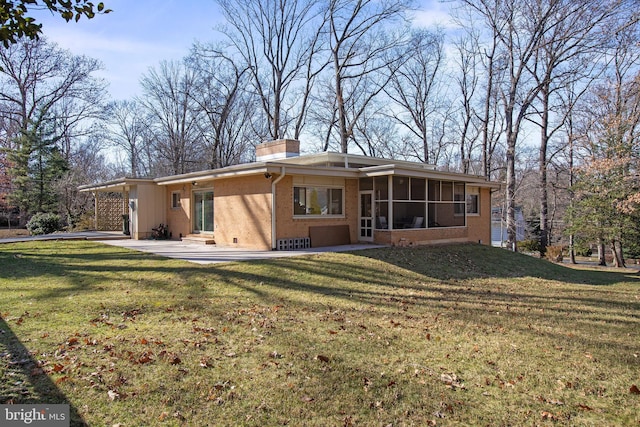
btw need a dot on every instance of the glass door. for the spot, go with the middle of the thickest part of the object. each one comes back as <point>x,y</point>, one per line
<point>203,211</point>
<point>366,216</point>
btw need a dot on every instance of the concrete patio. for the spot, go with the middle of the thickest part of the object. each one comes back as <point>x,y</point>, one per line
<point>188,251</point>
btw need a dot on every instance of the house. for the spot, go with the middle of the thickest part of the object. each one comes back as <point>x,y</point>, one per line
<point>285,200</point>
<point>499,235</point>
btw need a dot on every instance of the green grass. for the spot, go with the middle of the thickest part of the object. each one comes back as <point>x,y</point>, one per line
<point>453,335</point>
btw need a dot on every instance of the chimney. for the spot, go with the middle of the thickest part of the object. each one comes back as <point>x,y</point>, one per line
<point>279,149</point>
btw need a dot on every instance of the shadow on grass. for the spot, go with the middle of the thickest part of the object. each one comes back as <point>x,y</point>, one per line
<point>467,261</point>
<point>24,381</point>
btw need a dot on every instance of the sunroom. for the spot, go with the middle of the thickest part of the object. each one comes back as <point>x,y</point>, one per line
<point>402,208</point>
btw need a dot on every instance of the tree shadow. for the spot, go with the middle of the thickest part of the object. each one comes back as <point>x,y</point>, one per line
<point>24,381</point>
<point>468,261</point>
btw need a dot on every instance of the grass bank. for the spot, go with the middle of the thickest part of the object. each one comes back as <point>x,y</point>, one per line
<point>455,335</point>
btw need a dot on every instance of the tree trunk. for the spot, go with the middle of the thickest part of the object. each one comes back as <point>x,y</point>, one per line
<point>618,257</point>
<point>601,253</point>
<point>542,165</point>
<point>572,249</point>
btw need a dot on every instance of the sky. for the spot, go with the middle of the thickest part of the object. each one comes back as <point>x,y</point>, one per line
<point>139,34</point>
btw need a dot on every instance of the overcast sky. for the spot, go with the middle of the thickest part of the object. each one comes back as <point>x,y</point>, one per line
<point>138,34</point>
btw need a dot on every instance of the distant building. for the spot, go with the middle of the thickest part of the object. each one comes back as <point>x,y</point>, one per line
<point>499,236</point>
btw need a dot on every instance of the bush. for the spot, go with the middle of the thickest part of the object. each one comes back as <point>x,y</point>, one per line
<point>531,245</point>
<point>582,249</point>
<point>554,253</point>
<point>43,223</point>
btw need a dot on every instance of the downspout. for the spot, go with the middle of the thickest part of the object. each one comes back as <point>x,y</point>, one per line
<point>273,207</point>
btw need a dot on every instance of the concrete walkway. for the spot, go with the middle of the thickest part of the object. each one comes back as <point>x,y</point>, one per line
<point>188,251</point>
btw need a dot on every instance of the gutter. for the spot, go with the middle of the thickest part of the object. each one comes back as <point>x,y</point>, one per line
<point>283,172</point>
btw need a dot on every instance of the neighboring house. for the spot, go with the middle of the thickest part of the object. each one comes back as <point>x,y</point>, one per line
<point>499,237</point>
<point>288,201</point>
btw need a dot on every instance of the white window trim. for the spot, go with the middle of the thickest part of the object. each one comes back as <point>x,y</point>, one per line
<point>332,216</point>
<point>179,199</point>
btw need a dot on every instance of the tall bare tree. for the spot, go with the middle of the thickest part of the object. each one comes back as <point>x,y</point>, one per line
<point>168,97</point>
<point>570,56</point>
<point>519,28</point>
<point>363,50</point>
<point>278,41</point>
<point>228,109</point>
<point>126,131</point>
<point>416,86</point>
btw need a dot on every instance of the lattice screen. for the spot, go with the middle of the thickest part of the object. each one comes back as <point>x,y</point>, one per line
<point>109,210</point>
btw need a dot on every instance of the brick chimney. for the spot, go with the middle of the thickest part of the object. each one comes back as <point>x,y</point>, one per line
<point>279,149</point>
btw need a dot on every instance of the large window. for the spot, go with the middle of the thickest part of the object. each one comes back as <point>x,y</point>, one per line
<point>318,201</point>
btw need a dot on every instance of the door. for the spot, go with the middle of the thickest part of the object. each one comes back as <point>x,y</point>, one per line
<point>203,211</point>
<point>366,216</point>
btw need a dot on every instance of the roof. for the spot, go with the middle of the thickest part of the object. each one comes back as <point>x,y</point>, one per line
<point>321,164</point>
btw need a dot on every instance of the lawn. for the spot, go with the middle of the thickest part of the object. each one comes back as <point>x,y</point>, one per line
<point>452,335</point>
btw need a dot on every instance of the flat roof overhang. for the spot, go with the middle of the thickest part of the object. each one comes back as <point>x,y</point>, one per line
<point>120,184</point>
<point>322,164</point>
<point>400,170</point>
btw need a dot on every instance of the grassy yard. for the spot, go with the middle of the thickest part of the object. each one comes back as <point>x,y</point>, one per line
<point>442,336</point>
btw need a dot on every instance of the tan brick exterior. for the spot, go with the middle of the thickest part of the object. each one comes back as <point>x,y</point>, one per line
<point>179,219</point>
<point>289,227</point>
<point>242,211</point>
<point>480,225</point>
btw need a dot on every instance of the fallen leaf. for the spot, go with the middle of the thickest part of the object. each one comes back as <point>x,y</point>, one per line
<point>113,395</point>
<point>62,379</point>
<point>307,399</point>
<point>634,389</point>
<point>58,367</point>
<point>322,358</point>
<point>584,407</point>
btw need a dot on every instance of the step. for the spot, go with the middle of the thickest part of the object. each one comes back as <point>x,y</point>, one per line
<point>199,238</point>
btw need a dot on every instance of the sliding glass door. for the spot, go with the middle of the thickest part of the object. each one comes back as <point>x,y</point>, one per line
<point>203,211</point>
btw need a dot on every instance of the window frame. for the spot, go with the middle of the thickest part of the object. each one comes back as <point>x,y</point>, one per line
<point>473,192</point>
<point>329,189</point>
<point>176,200</point>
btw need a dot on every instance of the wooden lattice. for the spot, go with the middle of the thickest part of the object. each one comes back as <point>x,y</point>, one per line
<point>109,210</point>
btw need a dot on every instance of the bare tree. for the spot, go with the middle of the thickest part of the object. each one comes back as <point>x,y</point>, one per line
<point>173,116</point>
<point>570,52</point>
<point>518,28</point>
<point>279,42</point>
<point>363,52</point>
<point>416,86</point>
<point>468,84</point>
<point>227,108</point>
<point>37,78</point>
<point>127,132</point>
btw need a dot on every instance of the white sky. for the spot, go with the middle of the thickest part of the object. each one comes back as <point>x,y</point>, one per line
<point>138,34</point>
